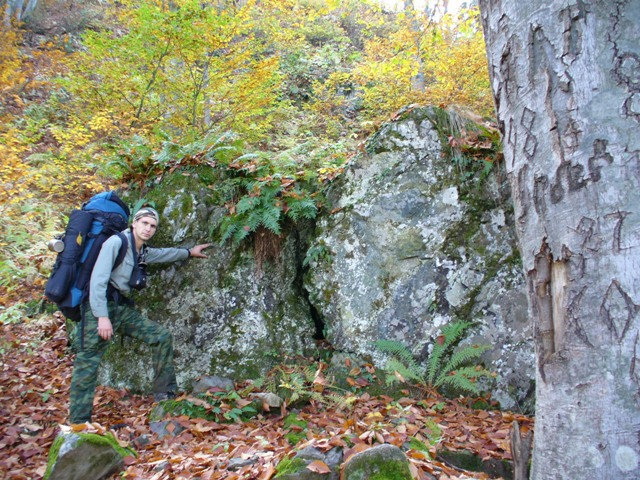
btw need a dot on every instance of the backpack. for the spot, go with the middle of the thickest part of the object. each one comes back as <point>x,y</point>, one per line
<point>104,215</point>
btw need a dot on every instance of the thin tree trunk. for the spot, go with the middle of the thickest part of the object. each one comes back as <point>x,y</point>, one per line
<point>13,9</point>
<point>418,80</point>
<point>566,82</point>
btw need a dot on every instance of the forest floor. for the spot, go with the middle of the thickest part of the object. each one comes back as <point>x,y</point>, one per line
<point>35,375</point>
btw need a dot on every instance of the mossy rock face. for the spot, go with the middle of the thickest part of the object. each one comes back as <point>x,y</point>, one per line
<point>82,456</point>
<point>227,317</point>
<point>383,462</point>
<point>417,240</point>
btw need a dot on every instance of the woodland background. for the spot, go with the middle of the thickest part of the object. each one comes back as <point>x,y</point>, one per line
<point>93,91</point>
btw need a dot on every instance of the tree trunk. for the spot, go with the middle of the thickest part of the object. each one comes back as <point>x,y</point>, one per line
<point>418,83</point>
<point>566,82</point>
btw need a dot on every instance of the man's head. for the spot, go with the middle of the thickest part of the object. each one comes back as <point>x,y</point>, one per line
<point>145,223</point>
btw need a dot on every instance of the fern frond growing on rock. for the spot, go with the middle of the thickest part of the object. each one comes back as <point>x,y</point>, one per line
<point>444,368</point>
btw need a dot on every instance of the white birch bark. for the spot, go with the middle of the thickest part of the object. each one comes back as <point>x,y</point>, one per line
<point>566,81</point>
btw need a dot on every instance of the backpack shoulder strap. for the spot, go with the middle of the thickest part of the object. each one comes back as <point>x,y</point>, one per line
<point>123,249</point>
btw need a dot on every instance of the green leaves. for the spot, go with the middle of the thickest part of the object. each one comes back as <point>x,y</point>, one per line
<point>445,367</point>
<point>450,334</point>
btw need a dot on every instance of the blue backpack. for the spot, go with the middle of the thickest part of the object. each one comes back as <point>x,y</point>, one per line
<point>104,215</point>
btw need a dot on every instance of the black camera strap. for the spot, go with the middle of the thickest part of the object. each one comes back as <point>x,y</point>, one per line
<point>138,278</point>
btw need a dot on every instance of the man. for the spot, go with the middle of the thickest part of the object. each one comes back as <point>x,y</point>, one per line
<point>111,310</point>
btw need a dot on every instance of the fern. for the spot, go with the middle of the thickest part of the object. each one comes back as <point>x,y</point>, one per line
<point>398,350</point>
<point>402,362</point>
<point>450,334</point>
<point>246,204</point>
<point>444,368</point>
<point>271,220</point>
<point>465,379</point>
<point>459,358</point>
<point>301,208</point>
<point>239,235</point>
<point>395,366</point>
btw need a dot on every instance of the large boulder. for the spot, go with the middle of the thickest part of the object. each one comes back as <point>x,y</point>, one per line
<point>413,240</point>
<point>416,241</point>
<point>228,316</point>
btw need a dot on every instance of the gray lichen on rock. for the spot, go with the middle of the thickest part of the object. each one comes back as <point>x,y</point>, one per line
<point>417,244</point>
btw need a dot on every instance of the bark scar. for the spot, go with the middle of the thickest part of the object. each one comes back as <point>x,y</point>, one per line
<point>547,282</point>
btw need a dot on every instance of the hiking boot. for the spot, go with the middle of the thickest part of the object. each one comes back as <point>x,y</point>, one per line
<point>161,396</point>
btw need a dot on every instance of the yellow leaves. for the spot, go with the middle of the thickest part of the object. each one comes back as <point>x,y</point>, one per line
<point>448,54</point>
<point>10,61</point>
<point>71,136</point>
<point>100,122</point>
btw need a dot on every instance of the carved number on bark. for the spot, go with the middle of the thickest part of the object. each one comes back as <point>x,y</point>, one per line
<point>523,192</point>
<point>600,157</point>
<point>587,230</point>
<point>616,246</point>
<point>540,186</point>
<point>627,72</point>
<point>573,18</point>
<point>572,175</point>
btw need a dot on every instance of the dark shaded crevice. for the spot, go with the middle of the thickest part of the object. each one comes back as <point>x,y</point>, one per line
<point>302,245</point>
<point>317,319</point>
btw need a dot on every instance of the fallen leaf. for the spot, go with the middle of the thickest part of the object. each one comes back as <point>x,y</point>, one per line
<point>318,466</point>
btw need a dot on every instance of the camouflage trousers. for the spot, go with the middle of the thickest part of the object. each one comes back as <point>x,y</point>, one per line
<point>128,322</point>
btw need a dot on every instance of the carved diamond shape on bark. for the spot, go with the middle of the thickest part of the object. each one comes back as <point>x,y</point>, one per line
<point>617,310</point>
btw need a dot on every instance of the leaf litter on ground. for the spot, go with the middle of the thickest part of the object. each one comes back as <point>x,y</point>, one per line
<point>35,375</point>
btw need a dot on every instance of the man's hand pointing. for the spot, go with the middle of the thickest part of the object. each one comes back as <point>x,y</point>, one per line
<point>197,250</point>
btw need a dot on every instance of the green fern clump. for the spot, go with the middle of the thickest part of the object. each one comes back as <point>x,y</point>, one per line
<point>444,368</point>
<point>261,190</point>
<point>401,362</point>
<point>268,191</point>
<point>293,383</point>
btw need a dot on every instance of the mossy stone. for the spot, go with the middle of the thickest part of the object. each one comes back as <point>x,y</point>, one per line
<point>383,462</point>
<point>85,455</point>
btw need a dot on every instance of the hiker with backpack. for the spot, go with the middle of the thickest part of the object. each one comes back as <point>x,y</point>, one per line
<point>118,268</point>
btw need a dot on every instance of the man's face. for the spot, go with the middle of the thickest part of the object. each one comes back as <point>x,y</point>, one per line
<point>144,228</point>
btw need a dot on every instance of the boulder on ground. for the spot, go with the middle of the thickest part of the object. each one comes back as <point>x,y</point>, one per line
<point>382,462</point>
<point>214,383</point>
<point>85,456</point>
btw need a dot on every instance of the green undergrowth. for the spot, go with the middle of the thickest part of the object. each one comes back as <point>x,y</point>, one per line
<point>221,407</point>
<point>289,465</point>
<point>260,189</point>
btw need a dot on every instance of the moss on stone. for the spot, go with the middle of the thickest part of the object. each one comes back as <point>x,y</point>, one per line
<point>53,455</point>
<point>289,465</point>
<point>491,267</point>
<point>380,468</point>
<point>244,368</point>
<point>106,440</point>
<point>469,461</point>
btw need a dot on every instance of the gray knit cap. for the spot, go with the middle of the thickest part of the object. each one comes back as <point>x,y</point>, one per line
<point>147,212</point>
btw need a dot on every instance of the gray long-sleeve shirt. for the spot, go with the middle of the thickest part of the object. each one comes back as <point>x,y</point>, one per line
<point>103,272</point>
